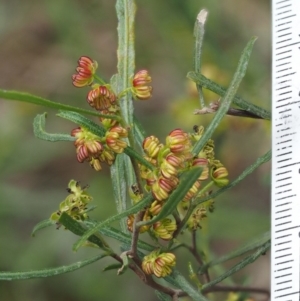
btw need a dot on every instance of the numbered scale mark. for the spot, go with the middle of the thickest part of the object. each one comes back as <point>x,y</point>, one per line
<point>285,264</point>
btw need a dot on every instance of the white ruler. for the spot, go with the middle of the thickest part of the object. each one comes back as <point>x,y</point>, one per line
<point>285,263</point>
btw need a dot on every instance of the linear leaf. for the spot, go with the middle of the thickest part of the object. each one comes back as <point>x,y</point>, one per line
<point>126,55</point>
<point>120,236</point>
<point>134,154</point>
<point>228,97</point>
<point>237,100</point>
<point>76,228</point>
<point>49,272</point>
<point>187,287</point>
<point>134,209</point>
<point>41,225</point>
<point>177,196</point>
<point>117,172</point>
<point>247,260</point>
<point>139,132</point>
<point>29,98</point>
<point>79,119</point>
<point>258,242</point>
<point>39,123</point>
<point>113,266</point>
<point>199,34</point>
<point>162,297</point>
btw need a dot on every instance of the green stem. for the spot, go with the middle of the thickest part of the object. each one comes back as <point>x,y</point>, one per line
<point>126,54</point>
<point>99,79</point>
<point>205,188</point>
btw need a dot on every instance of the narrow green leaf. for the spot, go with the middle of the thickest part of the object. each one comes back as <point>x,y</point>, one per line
<point>261,160</point>
<point>79,119</point>
<point>129,172</point>
<point>237,100</point>
<point>186,182</point>
<point>113,266</point>
<point>247,260</point>
<point>228,97</point>
<point>187,287</point>
<point>129,180</point>
<point>39,123</point>
<point>162,297</point>
<point>76,228</point>
<point>29,98</point>
<point>119,187</point>
<point>199,34</point>
<point>256,243</point>
<point>199,31</point>
<point>138,132</point>
<point>132,153</point>
<point>134,209</point>
<point>41,225</point>
<point>120,236</point>
<point>126,55</point>
<point>49,272</point>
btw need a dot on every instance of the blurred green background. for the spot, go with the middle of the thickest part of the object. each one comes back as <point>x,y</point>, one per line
<point>41,42</point>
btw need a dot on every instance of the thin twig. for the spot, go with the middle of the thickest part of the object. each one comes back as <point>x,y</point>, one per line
<point>197,256</point>
<point>214,106</point>
<point>135,234</point>
<point>184,220</point>
<point>148,280</point>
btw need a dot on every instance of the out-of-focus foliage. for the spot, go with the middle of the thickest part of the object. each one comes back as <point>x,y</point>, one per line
<point>40,44</point>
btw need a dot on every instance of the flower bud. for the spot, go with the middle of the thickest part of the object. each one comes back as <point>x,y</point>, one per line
<point>87,144</point>
<point>219,176</point>
<point>164,229</point>
<point>120,130</point>
<point>151,146</point>
<point>170,165</point>
<point>95,163</point>
<point>163,187</point>
<point>158,264</point>
<point>178,141</point>
<point>113,141</point>
<point>155,207</point>
<point>202,162</point>
<point>107,156</point>
<point>101,98</point>
<point>85,72</point>
<point>151,178</point>
<point>140,85</point>
<point>108,122</point>
<point>193,191</point>
<point>130,221</point>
